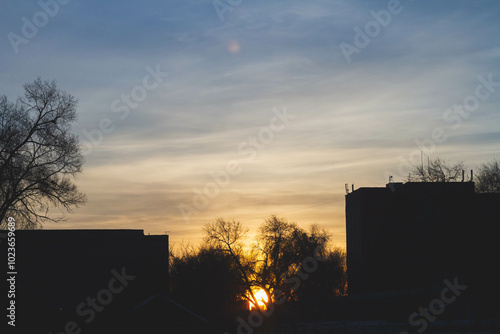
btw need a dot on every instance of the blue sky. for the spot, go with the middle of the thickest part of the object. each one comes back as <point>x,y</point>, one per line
<point>223,77</point>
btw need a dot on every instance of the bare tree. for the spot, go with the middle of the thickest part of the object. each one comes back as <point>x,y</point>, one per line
<point>275,244</point>
<point>204,280</point>
<point>283,246</point>
<point>229,236</point>
<point>275,262</point>
<point>437,170</point>
<point>488,178</point>
<point>39,156</point>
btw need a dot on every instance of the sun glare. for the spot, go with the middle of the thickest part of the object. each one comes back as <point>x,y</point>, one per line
<point>262,299</point>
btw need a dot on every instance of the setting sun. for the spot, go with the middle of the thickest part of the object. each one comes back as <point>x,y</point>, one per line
<point>262,299</point>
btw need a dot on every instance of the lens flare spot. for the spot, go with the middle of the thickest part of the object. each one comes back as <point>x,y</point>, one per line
<point>233,47</point>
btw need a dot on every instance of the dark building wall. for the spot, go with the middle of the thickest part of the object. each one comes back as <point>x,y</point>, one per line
<point>414,235</point>
<point>365,224</point>
<point>59,269</point>
<point>405,240</point>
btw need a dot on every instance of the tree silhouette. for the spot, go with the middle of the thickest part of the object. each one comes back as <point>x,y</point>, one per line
<point>280,249</point>
<point>228,236</point>
<point>206,281</point>
<point>488,178</point>
<point>223,274</point>
<point>283,247</point>
<point>437,170</point>
<point>329,280</point>
<point>39,155</point>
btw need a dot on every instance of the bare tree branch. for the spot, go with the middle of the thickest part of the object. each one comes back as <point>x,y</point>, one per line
<point>228,236</point>
<point>437,170</point>
<point>488,178</point>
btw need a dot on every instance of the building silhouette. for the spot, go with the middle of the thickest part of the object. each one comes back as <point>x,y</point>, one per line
<point>404,240</point>
<point>93,281</point>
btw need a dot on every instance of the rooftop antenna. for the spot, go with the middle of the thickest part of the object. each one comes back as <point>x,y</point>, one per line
<point>353,187</point>
<point>463,175</point>
<point>347,188</point>
<point>471,175</point>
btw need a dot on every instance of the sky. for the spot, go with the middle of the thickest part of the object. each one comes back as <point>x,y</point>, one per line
<point>194,110</point>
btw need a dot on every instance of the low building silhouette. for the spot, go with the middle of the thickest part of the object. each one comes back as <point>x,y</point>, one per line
<point>87,280</point>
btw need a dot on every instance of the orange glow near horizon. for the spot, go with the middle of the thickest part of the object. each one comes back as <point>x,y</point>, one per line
<point>262,300</point>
